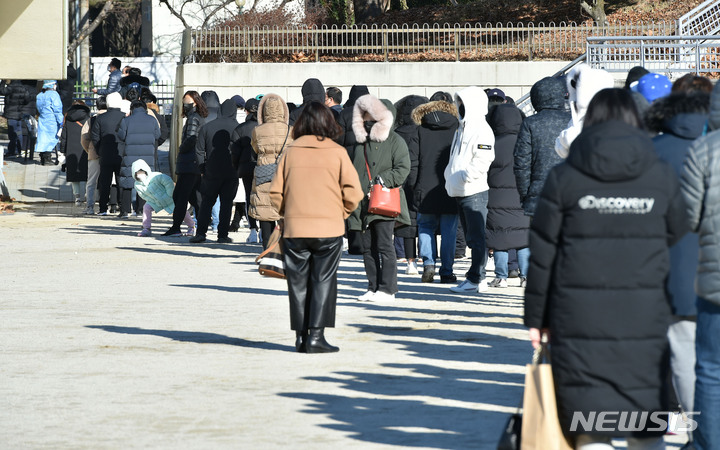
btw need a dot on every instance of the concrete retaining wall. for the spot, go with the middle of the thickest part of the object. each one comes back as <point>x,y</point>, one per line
<point>385,80</point>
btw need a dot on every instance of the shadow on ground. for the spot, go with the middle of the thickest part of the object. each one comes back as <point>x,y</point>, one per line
<point>197,337</point>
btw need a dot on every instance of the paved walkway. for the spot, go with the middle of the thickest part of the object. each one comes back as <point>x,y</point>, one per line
<point>114,341</point>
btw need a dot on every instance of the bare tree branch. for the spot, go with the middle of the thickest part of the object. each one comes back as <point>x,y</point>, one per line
<point>215,11</point>
<point>87,31</point>
<point>175,13</point>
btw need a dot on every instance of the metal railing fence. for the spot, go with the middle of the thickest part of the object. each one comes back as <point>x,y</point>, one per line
<point>163,90</point>
<point>417,43</point>
<point>702,20</point>
<point>666,54</point>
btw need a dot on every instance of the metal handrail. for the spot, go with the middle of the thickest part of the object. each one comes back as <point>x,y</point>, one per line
<point>667,54</point>
<point>696,14</point>
<point>524,102</point>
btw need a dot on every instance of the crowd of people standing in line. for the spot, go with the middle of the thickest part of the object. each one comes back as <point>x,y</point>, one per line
<point>606,196</point>
<point>595,173</point>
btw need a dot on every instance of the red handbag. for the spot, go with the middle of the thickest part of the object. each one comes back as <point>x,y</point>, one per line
<point>383,201</point>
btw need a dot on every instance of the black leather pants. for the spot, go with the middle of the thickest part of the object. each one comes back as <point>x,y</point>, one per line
<point>311,266</point>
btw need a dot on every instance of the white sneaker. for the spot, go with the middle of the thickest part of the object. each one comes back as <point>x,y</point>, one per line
<point>253,238</point>
<point>498,283</point>
<point>466,287</point>
<point>383,297</point>
<point>411,269</point>
<point>366,297</point>
<point>483,286</point>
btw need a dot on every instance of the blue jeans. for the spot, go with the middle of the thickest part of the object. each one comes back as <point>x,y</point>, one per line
<point>707,371</point>
<point>215,215</point>
<point>427,224</point>
<point>473,215</point>
<point>501,262</point>
<point>15,135</point>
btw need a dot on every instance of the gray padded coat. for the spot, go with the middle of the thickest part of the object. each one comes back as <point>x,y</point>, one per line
<point>700,184</point>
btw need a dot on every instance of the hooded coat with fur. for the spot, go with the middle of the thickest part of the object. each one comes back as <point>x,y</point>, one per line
<point>535,147</point>
<point>583,82</point>
<point>472,149</point>
<point>681,119</point>
<point>267,140</point>
<point>437,124</point>
<point>387,157</point>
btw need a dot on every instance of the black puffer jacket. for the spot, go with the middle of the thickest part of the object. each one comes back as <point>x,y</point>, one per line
<point>438,122</point>
<point>535,148</point>
<point>104,136</point>
<point>30,108</point>
<point>246,158</point>
<point>139,133</point>
<point>76,156</point>
<point>599,259</point>
<point>507,226</point>
<point>408,130</point>
<point>17,96</point>
<point>186,162</point>
<point>347,139</point>
<point>213,149</point>
<point>312,91</point>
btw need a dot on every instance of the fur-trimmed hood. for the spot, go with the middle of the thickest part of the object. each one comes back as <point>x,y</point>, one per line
<point>371,109</point>
<point>272,108</point>
<point>419,113</point>
<point>659,115</point>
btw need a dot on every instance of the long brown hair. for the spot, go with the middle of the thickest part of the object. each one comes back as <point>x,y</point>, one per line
<point>200,106</point>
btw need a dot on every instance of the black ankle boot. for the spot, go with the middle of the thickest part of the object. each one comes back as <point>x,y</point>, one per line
<point>300,340</point>
<point>316,342</point>
<point>43,158</point>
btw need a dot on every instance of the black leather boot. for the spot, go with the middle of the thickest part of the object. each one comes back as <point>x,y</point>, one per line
<point>300,340</point>
<point>316,342</point>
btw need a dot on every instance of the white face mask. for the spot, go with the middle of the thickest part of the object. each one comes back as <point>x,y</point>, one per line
<point>141,177</point>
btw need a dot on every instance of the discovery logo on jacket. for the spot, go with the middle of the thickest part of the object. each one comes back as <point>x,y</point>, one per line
<point>472,149</point>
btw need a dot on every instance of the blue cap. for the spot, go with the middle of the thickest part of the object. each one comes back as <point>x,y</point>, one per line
<point>239,101</point>
<point>49,84</point>
<point>652,86</point>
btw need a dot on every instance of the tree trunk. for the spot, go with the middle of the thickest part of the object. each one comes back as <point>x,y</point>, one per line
<point>365,9</point>
<point>84,64</point>
<point>87,31</point>
<point>595,9</point>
